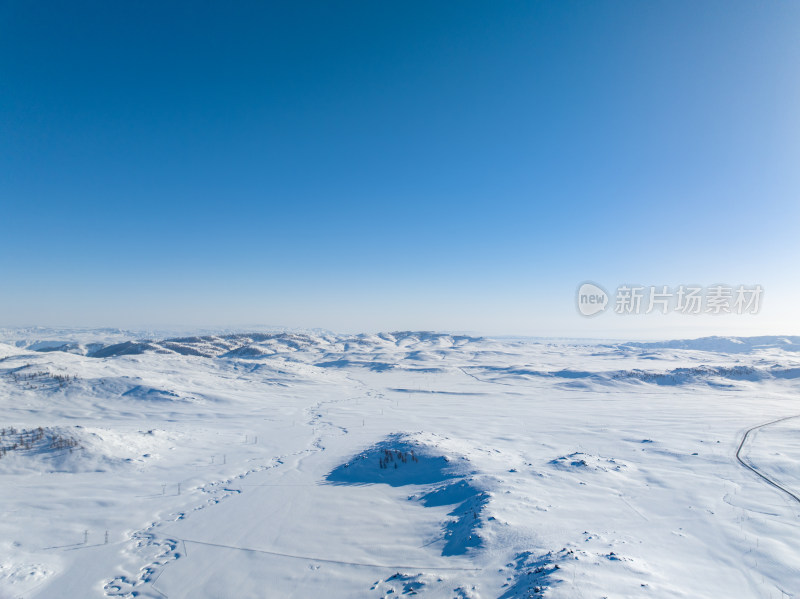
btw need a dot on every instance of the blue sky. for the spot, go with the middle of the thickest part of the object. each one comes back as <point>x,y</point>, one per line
<point>384,165</point>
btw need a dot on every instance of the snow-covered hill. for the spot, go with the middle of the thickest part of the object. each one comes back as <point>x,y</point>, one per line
<point>306,464</point>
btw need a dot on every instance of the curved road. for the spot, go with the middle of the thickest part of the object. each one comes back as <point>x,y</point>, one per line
<point>754,470</point>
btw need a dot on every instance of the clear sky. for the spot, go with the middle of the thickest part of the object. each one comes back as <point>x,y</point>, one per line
<point>382,165</point>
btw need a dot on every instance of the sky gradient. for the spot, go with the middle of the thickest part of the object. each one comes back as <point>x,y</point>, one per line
<point>369,166</point>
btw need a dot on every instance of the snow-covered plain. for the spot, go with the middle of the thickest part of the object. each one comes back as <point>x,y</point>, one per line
<point>323,465</point>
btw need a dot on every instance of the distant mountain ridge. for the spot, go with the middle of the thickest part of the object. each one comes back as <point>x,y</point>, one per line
<point>109,343</point>
<point>727,345</point>
<point>254,344</point>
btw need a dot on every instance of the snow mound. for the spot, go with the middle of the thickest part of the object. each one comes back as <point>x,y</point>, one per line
<point>151,394</point>
<point>461,533</point>
<point>34,445</point>
<point>396,461</point>
<point>406,584</point>
<point>401,461</point>
<point>246,351</point>
<point>682,376</point>
<point>532,574</point>
<point>583,462</point>
<point>127,348</point>
<point>76,449</point>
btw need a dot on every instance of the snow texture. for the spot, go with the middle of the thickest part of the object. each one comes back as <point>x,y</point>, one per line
<point>282,463</point>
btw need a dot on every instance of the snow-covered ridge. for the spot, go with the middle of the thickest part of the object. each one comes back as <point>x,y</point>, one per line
<point>674,376</point>
<point>255,344</point>
<point>724,345</point>
<point>116,342</point>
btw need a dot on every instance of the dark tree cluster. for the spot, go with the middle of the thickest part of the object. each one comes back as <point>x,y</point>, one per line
<point>42,376</point>
<point>12,439</point>
<point>396,457</point>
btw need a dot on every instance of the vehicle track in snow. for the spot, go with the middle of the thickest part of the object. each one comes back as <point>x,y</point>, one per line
<point>335,561</point>
<point>755,470</point>
<point>124,586</point>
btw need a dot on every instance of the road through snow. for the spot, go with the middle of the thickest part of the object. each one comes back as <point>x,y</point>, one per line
<point>768,480</point>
